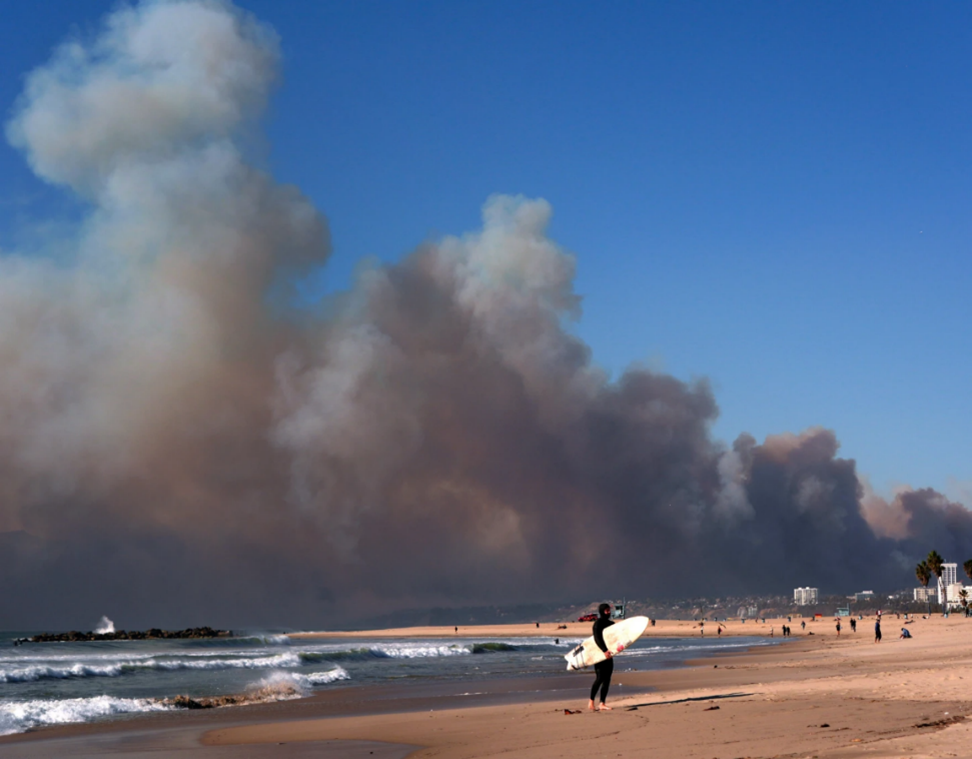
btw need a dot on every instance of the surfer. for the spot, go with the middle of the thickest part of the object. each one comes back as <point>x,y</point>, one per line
<point>603,669</point>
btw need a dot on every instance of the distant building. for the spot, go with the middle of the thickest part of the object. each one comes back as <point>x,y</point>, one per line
<point>747,612</point>
<point>926,594</point>
<point>804,596</point>
<point>953,593</point>
<point>950,573</point>
<point>949,577</point>
<point>864,595</point>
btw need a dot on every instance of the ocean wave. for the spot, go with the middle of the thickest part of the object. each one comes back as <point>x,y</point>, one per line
<point>115,669</point>
<point>267,639</point>
<point>277,686</point>
<point>485,648</point>
<point>384,651</point>
<point>418,652</point>
<point>322,678</point>
<point>53,672</point>
<point>699,647</point>
<point>429,650</point>
<point>20,716</point>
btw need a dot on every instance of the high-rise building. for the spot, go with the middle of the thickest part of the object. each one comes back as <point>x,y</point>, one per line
<point>804,596</point>
<point>949,577</point>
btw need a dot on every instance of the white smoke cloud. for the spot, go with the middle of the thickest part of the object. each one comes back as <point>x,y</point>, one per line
<point>165,289</point>
<point>160,80</point>
<point>435,433</point>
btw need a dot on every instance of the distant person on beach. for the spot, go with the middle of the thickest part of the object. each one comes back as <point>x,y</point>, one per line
<point>803,624</point>
<point>905,633</point>
<point>853,625</point>
<point>877,630</point>
<point>838,628</point>
<point>603,669</point>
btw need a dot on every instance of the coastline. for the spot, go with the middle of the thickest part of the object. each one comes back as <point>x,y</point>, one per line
<point>816,696</point>
<point>662,629</point>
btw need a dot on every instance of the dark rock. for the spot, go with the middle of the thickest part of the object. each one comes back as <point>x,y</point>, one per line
<point>75,636</point>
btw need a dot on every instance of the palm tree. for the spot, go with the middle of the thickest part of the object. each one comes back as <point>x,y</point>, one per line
<point>935,562</point>
<point>967,566</point>
<point>923,573</point>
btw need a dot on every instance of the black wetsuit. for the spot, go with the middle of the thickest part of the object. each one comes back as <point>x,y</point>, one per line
<point>603,669</point>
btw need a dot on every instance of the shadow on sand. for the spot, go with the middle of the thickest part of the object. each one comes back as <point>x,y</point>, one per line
<point>632,707</point>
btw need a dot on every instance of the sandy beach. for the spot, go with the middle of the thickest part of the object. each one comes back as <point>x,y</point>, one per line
<point>815,696</point>
<point>662,629</point>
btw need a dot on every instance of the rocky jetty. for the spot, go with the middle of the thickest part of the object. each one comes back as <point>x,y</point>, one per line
<point>153,634</point>
<point>263,695</point>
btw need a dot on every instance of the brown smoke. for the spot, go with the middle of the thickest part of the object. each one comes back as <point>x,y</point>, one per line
<point>180,446</point>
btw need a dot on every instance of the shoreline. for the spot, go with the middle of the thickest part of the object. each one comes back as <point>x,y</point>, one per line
<point>369,699</point>
<point>816,696</point>
<point>662,629</point>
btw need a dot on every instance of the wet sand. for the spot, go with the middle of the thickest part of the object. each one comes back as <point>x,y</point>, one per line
<point>817,696</point>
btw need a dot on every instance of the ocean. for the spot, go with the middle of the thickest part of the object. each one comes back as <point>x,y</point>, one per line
<point>58,683</point>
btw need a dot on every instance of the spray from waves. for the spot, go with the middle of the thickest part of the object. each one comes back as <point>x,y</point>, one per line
<point>104,626</point>
<point>277,686</point>
<point>268,639</point>
<point>324,678</point>
<point>18,717</point>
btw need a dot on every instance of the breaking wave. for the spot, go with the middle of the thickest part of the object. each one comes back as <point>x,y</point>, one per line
<point>18,717</point>
<point>50,671</point>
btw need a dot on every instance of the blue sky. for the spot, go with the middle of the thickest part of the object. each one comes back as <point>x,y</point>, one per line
<point>771,195</point>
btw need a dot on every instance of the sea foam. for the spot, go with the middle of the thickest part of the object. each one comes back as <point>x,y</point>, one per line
<point>32,673</point>
<point>18,717</point>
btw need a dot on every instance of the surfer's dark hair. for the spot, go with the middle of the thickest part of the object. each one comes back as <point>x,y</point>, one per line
<point>603,609</point>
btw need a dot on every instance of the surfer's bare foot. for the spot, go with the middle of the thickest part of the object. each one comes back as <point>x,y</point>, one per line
<point>590,706</point>
<point>604,708</point>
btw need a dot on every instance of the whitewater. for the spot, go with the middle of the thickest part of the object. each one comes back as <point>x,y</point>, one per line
<point>59,683</point>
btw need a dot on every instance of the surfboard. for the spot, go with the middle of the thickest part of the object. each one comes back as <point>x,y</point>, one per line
<point>617,637</point>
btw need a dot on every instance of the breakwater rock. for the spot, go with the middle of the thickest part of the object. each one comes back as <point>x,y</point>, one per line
<point>155,633</point>
<point>264,695</point>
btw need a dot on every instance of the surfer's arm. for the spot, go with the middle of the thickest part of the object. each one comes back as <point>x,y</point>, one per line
<point>599,636</point>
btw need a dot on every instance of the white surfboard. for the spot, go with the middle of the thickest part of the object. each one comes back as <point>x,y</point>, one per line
<point>617,637</point>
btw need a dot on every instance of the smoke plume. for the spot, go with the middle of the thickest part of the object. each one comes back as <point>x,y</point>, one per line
<point>182,445</point>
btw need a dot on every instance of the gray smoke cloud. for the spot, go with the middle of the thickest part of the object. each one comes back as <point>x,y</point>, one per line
<point>180,446</point>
